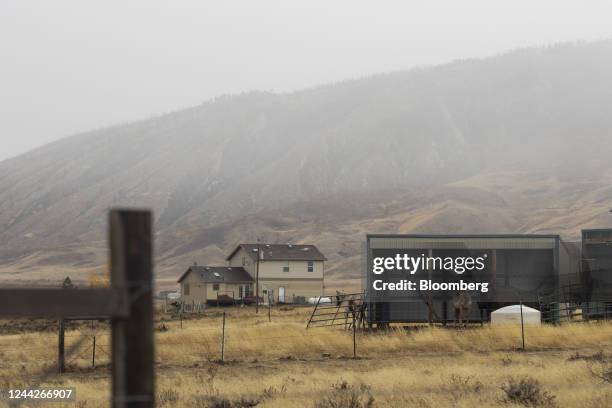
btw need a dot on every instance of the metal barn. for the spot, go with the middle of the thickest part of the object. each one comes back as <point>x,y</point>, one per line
<point>532,269</point>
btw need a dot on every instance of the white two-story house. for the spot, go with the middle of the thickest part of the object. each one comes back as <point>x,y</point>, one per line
<point>285,273</point>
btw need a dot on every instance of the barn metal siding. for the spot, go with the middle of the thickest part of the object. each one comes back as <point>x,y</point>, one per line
<point>597,264</point>
<point>525,266</point>
<point>442,242</point>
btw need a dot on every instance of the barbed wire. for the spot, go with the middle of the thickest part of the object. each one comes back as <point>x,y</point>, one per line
<point>236,335</point>
<point>335,332</point>
<point>212,353</point>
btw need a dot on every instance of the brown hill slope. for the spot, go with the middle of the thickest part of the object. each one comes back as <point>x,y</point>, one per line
<point>496,202</point>
<point>518,142</point>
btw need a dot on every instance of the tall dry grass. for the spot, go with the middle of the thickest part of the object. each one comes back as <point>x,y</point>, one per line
<point>283,364</point>
<point>269,341</point>
<point>251,337</point>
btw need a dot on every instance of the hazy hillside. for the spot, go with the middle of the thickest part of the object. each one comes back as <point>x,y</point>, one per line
<point>517,142</point>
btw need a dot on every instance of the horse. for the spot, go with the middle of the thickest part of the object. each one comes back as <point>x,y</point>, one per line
<point>462,303</point>
<point>350,309</point>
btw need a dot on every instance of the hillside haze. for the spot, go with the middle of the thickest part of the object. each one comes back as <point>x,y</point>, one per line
<point>519,142</point>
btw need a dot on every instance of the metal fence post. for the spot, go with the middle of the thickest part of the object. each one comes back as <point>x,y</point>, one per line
<point>223,339</point>
<point>354,337</point>
<point>60,348</point>
<point>522,327</point>
<point>93,353</point>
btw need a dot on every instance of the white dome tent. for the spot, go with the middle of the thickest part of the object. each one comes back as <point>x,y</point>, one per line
<point>512,315</point>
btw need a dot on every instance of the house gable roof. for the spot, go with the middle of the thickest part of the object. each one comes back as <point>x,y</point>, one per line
<point>281,252</point>
<point>227,274</point>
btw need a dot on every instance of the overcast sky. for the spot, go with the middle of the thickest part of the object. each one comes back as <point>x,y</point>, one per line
<point>71,66</point>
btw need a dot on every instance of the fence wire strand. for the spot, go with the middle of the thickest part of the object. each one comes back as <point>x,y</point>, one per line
<point>322,340</point>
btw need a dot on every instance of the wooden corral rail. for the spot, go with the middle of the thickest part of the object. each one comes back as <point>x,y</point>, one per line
<point>128,303</point>
<point>83,303</point>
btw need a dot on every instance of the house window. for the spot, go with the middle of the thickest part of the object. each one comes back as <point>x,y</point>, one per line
<point>215,287</point>
<point>243,261</point>
<point>310,266</point>
<point>185,289</point>
<point>286,267</point>
<point>247,290</point>
<point>240,292</point>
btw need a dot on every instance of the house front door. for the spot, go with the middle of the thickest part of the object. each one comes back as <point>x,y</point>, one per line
<point>281,294</point>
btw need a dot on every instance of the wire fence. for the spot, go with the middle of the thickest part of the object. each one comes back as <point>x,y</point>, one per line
<point>216,339</point>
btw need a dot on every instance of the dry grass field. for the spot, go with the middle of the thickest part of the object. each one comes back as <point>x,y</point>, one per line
<point>281,364</point>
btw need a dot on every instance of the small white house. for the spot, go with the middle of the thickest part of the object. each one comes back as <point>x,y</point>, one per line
<point>512,315</point>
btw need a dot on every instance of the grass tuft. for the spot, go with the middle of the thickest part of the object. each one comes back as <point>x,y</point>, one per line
<point>528,392</point>
<point>345,395</point>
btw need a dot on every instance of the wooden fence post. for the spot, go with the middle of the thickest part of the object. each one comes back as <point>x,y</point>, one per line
<point>60,348</point>
<point>131,247</point>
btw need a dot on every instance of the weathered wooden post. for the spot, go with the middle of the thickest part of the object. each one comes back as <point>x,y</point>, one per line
<point>129,303</point>
<point>131,246</point>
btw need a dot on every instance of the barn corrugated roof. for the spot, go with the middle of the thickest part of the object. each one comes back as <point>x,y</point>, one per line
<point>281,252</point>
<point>231,274</point>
